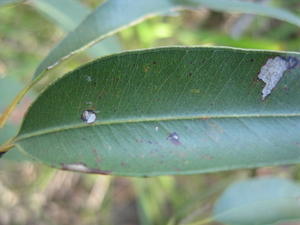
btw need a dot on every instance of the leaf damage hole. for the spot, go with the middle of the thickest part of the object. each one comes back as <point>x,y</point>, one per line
<point>273,70</point>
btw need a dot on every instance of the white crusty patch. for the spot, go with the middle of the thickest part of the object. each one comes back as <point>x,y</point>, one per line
<point>271,73</point>
<point>79,167</point>
<point>88,116</point>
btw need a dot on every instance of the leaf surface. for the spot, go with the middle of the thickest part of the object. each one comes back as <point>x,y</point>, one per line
<point>176,110</point>
<point>115,15</point>
<point>269,200</point>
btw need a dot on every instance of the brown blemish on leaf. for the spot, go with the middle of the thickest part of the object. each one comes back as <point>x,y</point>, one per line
<point>124,164</point>
<point>174,138</point>
<point>97,156</point>
<point>195,91</point>
<point>146,69</point>
<point>144,141</point>
<point>216,127</point>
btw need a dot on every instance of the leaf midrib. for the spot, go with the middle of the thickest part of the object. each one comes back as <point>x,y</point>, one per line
<point>141,120</point>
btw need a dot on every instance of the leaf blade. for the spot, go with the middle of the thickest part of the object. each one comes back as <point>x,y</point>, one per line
<point>268,200</point>
<point>67,15</point>
<point>167,111</point>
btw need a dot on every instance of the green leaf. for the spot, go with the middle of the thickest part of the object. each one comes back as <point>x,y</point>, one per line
<point>264,201</point>
<point>68,14</point>
<point>8,89</point>
<point>14,154</point>
<point>5,2</point>
<point>115,15</point>
<point>163,111</point>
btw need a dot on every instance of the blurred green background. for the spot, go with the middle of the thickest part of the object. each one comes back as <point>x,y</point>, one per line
<point>34,194</point>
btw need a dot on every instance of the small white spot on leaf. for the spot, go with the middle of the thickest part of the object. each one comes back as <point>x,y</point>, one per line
<point>88,116</point>
<point>88,78</point>
<point>272,72</point>
<point>80,167</point>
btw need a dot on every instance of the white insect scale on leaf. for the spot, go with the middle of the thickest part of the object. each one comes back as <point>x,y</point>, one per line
<point>273,70</point>
<point>80,167</point>
<point>88,116</point>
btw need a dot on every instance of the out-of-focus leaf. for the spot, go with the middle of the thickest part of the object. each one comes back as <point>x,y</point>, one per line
<point>68,14</point>
<point>167,111</point>
<point>5,2</point>
<point>14,154</point>
<point>114,15</point>
<point>8,89</point>
<point>259,201</point>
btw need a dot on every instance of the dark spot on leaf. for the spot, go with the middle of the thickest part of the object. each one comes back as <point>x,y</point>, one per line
<point>1,154</point>
<point>102,172</point>
<point>97,156</point>
<point>190,74</point>
<point>251,60</point>
<point>154,62</point>
<point>174,138</point>
<point>124,164</point>
<point>178,169</point>
<point>256,80</point>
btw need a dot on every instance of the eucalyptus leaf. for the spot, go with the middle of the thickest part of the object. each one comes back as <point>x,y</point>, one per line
<point>177,110</point>
<point>259,201</point>
<point>115,15</point>
<point>14,154</point>
<point>68,14</point>
<point>5,2</point>
<point>9,86</point>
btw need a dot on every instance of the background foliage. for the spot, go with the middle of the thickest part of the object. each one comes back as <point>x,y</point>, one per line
<point>35,194</point>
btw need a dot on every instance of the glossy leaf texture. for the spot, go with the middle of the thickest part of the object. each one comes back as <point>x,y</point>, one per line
<point>115,15</point>
<point>68,14</point>
<point>177,110</point>
<point>267,200</point>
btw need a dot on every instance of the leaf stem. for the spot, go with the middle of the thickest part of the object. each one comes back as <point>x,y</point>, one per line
<point>6,147</point>
<point>5,115</point>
